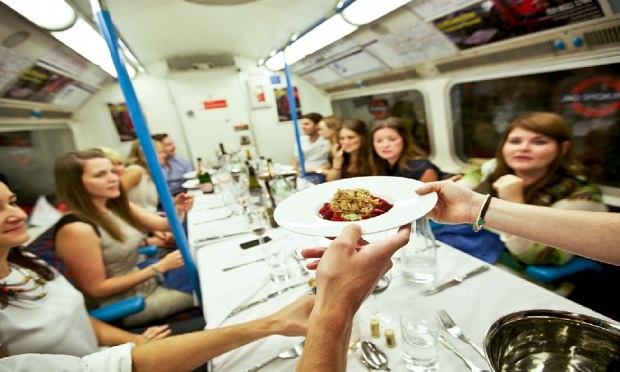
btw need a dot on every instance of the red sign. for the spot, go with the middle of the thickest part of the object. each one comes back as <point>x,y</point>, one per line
<point>219,103</point>
<point>378,108</point>
<point>584,94</point>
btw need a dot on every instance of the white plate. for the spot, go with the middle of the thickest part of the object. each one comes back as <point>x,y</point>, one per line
<point>299,212</point>
<point>190,184</point>
<point>190,175</point>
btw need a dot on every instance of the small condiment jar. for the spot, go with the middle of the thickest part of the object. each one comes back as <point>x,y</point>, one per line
<point>390,340</point>
<point>375,332</point>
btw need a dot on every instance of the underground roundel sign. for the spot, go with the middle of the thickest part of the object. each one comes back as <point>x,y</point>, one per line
<point>378,108</point>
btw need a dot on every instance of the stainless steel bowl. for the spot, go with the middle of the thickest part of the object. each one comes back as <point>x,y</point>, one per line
<point>550,340</point>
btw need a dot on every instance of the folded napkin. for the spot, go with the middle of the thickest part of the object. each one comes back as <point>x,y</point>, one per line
<point>207,201</point>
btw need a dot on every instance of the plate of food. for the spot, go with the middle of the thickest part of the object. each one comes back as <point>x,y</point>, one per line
<point>376,203</point>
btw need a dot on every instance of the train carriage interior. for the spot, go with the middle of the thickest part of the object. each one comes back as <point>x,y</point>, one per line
<point>220,72</point>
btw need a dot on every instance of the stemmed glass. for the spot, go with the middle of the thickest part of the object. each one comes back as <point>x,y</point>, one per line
<point>384,316</point>
<point>258,222</point>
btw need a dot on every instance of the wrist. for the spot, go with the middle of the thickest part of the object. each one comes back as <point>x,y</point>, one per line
<point>157,273</point>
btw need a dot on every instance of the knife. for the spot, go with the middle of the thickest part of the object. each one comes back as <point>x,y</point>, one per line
<point>219,237</point>
<point>243,264</point>
<point>455,281</point>
<point>264,299</point>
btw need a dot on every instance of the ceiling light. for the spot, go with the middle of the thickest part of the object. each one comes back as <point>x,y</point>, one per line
<point>53,15</point>
<point>327,32</point>
<point>83,39</point>
<point>276,62</point>
<point>361,12</point>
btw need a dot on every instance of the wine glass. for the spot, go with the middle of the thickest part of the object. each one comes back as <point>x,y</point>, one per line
<point>258,222</point>
<point>384,316</point>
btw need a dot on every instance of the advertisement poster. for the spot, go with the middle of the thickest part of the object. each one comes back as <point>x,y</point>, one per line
<point>37,84</point>
<point>495,20</point>
<point>122,121</point>
<point>284,109</point>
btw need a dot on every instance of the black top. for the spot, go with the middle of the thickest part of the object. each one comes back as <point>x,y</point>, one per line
<point>416,169</point>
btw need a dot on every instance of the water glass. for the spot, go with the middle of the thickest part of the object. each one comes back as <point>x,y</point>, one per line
<point>419,261</point>
<point>419,330</point>
<point>277,256</point>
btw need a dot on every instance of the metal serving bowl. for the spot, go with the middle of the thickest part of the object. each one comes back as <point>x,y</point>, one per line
<point>550,340</point>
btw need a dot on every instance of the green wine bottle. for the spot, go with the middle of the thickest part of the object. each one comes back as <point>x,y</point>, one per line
<point>204,179</point>
<point>254,188</point>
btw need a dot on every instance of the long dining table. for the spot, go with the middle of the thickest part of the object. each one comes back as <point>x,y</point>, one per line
<point>474,304</point>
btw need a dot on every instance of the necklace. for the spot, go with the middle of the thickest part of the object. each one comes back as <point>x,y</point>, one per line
<point>30,287</point>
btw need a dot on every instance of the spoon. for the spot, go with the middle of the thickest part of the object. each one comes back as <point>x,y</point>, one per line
<point>375,358</point>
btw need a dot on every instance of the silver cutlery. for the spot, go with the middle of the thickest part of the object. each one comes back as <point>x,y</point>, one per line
<point>457,280</point>
<point>291,353</point>
<point>472,366</point>
<point>202,240</point>
<point>456,331</point>
<point>230,213</point>
<point>374,357</point>
<point>243,264</point>
<point>243,308</point>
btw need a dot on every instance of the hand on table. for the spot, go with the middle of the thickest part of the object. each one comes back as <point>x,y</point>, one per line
<point>292,320</point>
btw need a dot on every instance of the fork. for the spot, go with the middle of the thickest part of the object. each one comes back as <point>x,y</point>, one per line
<point>472,366</point>
<point>291,353</point>
<point>456,331</point>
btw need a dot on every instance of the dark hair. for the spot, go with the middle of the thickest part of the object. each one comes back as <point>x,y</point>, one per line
<point>159,136</point>
<point>362,164</point>
<point>565,173</point>
<point>411,151</point>
<point>313,116</point>
<point>70,189</point>
<point>19,256</point>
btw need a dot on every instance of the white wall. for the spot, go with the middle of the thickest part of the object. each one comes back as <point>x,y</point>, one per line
<point>166,101</point>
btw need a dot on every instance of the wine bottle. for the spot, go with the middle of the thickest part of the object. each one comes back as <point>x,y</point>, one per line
<point>204,179</point>
<point>270,169</point>
<point>254,188</point>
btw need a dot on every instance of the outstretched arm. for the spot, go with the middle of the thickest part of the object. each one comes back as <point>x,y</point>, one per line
<point>188,351</point>
<point>589,234</point>
<point>347,273</point>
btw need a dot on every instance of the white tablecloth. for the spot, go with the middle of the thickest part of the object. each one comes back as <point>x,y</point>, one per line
<point>474,305</point>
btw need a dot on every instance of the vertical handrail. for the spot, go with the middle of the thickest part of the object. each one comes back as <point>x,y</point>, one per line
<point>144,137</point>
<point>293,107</point>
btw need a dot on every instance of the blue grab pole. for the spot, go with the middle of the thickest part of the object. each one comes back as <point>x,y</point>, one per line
<point>293,107</point>
<point>107,30</point>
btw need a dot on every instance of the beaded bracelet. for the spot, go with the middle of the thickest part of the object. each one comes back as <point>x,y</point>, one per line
<point>477,226</point>
<point>158,274</point>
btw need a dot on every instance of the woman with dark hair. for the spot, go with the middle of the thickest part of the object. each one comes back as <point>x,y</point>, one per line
<point>350,159</point>
<point>40,311</point>
<point>535,164</point>
<point>395,153</point>
<point>99,234</point>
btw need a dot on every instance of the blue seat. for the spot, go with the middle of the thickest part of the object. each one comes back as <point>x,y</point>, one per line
<point>548,274</point>
<point>43,247</point>
<point>551,273</point>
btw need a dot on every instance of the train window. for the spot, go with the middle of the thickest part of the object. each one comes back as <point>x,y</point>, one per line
<point>408,105</point>
<point>27,161</point>
<point>588,98</point>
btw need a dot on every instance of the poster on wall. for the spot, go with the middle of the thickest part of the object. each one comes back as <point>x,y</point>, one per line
<point>284,109</point>
<point>495,20</point>
<point>122,121</point>
<point>37,84</point>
